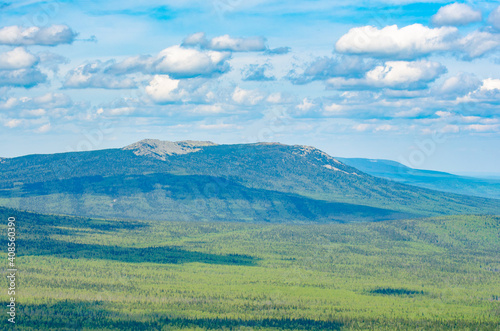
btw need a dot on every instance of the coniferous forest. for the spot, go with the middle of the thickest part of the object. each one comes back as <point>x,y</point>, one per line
<point>79,273</point>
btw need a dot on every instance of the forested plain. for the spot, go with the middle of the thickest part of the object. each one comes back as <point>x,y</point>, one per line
<point>79,273</point>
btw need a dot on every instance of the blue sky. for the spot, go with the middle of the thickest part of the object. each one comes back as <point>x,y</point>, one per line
<point>415,82</point>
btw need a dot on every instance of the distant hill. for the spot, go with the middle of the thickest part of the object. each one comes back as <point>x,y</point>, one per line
<point>267,182</point>
<point>436,180</point>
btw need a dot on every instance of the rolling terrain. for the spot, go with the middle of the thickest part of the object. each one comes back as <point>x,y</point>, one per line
<point>94,274</point>
<point>193,181</point>
<point>435,180</point>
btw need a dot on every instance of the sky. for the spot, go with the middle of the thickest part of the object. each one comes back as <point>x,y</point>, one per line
<point>414,82</point>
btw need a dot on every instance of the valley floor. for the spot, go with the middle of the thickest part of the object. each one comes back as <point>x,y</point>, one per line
<point>428,274</point>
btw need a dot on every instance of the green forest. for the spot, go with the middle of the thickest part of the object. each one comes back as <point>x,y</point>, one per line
<point>270,183</point>
<point>79,273</point>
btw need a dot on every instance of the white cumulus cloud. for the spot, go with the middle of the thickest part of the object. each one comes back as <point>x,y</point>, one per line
<point>17,58</point>
<point>163,89</point>
<point>456,14</point>
<point>406,42</point>
<point>26,77</point>
<point>183,62</point>
<point>415,41</point>
<point>487,94</point>
<point>175,61</point>
<point>478,43</point>
<point>325,67</point>
<point>247,97</point>
<point>459,85</point>
<point>48,36</point>
<point>394,75</point>
<point>226,43</point>
<point>91,75</point>
<point>490,84</point>
<point>306,105</point>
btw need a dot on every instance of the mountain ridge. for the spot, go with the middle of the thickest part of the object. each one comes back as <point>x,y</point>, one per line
<point>267,181</point>
<point>431,179</point>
